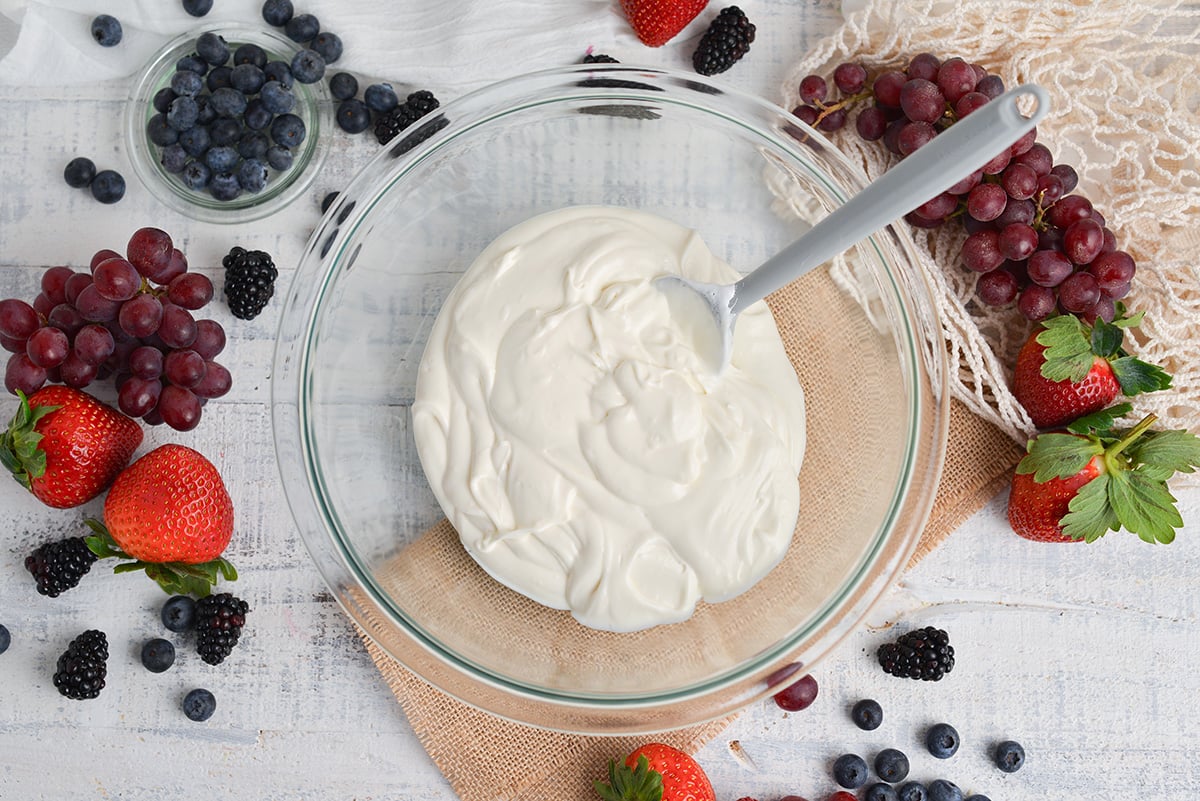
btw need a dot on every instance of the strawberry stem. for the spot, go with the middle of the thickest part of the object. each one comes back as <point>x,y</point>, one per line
<point>1131,437</point>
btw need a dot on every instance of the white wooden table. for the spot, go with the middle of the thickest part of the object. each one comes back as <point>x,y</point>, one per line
<point>1089,656</point>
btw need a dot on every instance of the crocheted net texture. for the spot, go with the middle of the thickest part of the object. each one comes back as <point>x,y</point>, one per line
<point>1125,113</point>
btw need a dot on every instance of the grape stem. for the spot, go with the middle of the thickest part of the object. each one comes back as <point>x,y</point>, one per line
<point>828,108</point>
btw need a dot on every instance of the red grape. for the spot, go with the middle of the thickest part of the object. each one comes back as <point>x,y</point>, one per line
<point>94,307</point>
<point>887,88</point>
<point>833,120</point>
<point>210,338</point>
<point>981,251</point>
<point>1071,209</point>
<point>75,372</point>
<point>1066,173</point>
<point>986,202</point>
<point>149,250</point>
<point>1036,302</point>
<point>1018,241</point>
<point>146,361</point>
<point>991,86</point>
<point>65,317</point>
<point>914,135</point>
<point>17,319</point>
<point>1104,309</point>
<point>178,327</point>
<point>955,78</point>
<point>12,345</point>
<point>47,347</point>
<point>871,123</point>
<point>806,114</point>
<point>969,102</point>
<point>216,382</point>
<point>1017,211</point>
<point>797,696</point>
<point>138,396</point>
<point>102,256</point>
<point>813,89</point>
<point>924,65</point>
<point>996,288</point>
<point>190,290</point>
<point>1038,157</point>
<point>94,343</point>
<point>183,368</point>
<point>998,163</point>
<point>1019,181</point>
<point>1082,241</point>
<point>141,316</point>
<point>43,305</point>
<point>76,284</point>
<point>1023,144</point>
<point>1048,268</point>
<point>1049,189</point>
<point>179,407</point>
<point>937,208</point>
<point>22,374</point>
<point>850,78</point>
<point>176,267</point>
<point>1078,292</point>
<point>116,279</point>
<point>54,284</point>
<point>1112,271</point>
<point>922,101</point>
<point>1110,242</point>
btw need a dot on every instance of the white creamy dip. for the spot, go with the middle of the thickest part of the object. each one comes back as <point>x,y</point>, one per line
<point>583,449</point>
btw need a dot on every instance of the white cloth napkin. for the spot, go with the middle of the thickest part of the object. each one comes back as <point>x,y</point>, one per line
<point>449,46</point>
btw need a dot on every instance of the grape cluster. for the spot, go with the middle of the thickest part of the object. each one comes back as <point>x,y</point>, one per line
<point>129,317</point>
<point>1028,238</point>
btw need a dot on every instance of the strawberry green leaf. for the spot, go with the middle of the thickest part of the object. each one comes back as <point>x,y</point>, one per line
<point>101,543</point>
<point>19,451</point>
<point>631,784</point>
<point>131,567</point>
<point>1144,506</point>
<point>1122,321</point>
<point>1058,456</point>
<point>1068,353</point>
<point>228,571</point>
<point>1170,451</point>
<point>1106,339</point>
<point>1090,516</point>
<point>1136,376</point>
<point>1099,421</point>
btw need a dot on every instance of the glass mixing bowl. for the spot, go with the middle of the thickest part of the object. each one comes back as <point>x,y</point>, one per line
<point>747,176</point>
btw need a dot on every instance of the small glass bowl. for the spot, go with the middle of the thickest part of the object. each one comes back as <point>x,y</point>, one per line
<point>282,187</point>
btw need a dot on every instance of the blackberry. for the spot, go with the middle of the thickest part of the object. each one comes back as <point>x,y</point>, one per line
<point>219,622</point>
<point>58,566</point>
<point>599,58</point>
<point>83,666</point>
<point>415,106</point>
<point>249,282</point>
<point>727,39</point>
<point>924,654</point>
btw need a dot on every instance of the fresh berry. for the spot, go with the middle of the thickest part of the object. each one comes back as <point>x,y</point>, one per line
<point>380,97</point>
<point>249,281</point>
<point>978,797</point>
<point>252,175</point>
<point>415,106</point>
<point>727,39</point>
<point>197,8</point>
<point>599,58</point>
<point>797,696</point>
<point>250,53</point>
<point>65,446</point>
<point>170,506</point>
<point>79,172</point>
<point>199,705</point>
<point>850,771</point>
<point>891,765</point>
<point>654,766</point>
<point>185,83</point>
<point>109,186</point>
<point>867,714</point>
<point>353,116</point>
<point>106,30</point>
<point>280,72</point>
<point>219,622</point>
<point>343,86</point>
<point>942,790</point>
<point>1082,484</point>
<point>942,740</point>
<point>881,792</point>
<point>842,795</point>
<point>213,49</point>
<point>5,638</point>
<point>912,791</point>
<point>179,613</point>
<point>277,12</point>
<point>158,655</point>
<point>1066,370</point>
<point>224,186</point>
<point>288,130</point>
<point>1009,756</point>
<point>82,668</point>
<point>924,654</point>
<point>277,98</point>
<point>657,22</point>
<point>279,157</point>
<point>329,45</point>
<point>58,566</point>
<point>302,28</point>
<point>247,78</point>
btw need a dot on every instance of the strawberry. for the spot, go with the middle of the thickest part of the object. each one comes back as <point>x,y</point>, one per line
<point>65,446</point>
<point>656,772</point>
<point>1091,479</point>
<point>169,511</point>
<point>656,22</point>
<point>1066,370</point>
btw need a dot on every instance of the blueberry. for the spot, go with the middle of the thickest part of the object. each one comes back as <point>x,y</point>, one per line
<point>225,131</point>
<point>106,30</point>
<point>253,145</point>
<point>159,132</point>
<point>186,82</point>
<point>280,72</point>
<point>5,638</point>
<point>197,8</point>
<point>978,797</point>
<point>942,790</point>
<point>199,705</point>
<point>205,113</point>
<point>212,48</point>
<point>221,159</point>
<point>257,118</point>
<point>380,97</point>
<point>277,12</point>
<point>162,99</point>
<point>228,102</point>
<point>218,78</point>
<point>192,63</point>
<point>195,176</point>
<point>308,66</point>
<point>279,157</point>
<point>195,141</point>
<point>108,186</point>
<point>252,175</point>
<point>912,791</point>
<point>250,54</point>
<point>184,113</point>
<point>158,655</point>
<point>891,765</point>
<point>288,130</point>
<point>174,156</point>
<point>224,186</point>
<point>302,28</point>
<point>247,78</point>
<point>1010,756</point>
<point>867,714</point>
<point>881,792</point>
<point>353,116</point>
<point>850,771</point>
<point>79,172</point>
<point>942,740</point>
<point>276,98</point>
<point>343,86</point>
<point>329,45</point>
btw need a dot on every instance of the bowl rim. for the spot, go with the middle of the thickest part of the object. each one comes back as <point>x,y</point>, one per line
<point>295,445</point>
